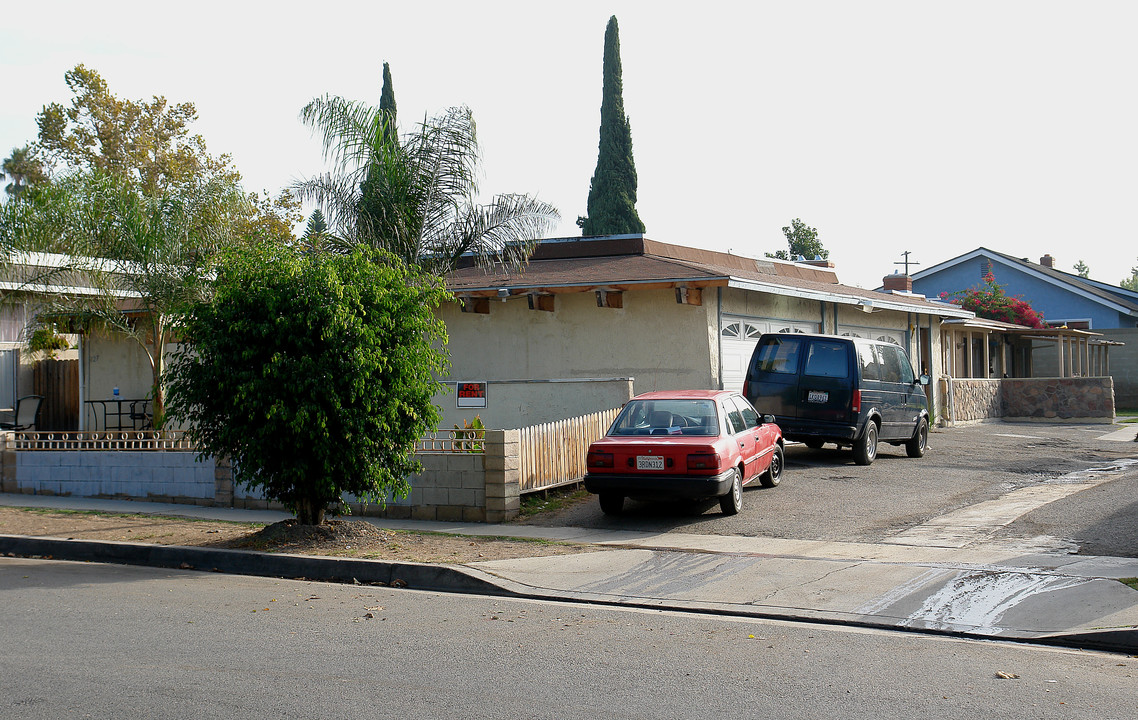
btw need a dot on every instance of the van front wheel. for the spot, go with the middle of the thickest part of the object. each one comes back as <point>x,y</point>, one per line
<point>917,444</point>
<point>865,447</point>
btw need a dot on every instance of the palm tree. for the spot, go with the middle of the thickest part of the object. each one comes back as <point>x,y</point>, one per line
<point>24,168</point>
<point>416,197</point>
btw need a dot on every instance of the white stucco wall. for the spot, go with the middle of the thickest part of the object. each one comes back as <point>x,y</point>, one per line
<point>110,361</point>
<point>654,340</point>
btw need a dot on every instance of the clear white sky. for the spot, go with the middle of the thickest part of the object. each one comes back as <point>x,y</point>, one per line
<point>889,126</point>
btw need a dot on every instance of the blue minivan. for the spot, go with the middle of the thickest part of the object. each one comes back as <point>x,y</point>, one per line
<point>844,390</point>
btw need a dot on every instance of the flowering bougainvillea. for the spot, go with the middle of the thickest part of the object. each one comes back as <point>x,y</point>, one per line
<point>990,301</point>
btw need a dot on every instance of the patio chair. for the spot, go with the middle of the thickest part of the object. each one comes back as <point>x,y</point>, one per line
<point>27,412</point>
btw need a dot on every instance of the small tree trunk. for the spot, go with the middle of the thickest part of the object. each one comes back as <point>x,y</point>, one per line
<point>309,512</point>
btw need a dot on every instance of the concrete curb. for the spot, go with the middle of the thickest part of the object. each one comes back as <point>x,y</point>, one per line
<point>419,576</point>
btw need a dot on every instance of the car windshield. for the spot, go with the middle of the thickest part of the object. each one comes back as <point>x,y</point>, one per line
<point>667,417</point>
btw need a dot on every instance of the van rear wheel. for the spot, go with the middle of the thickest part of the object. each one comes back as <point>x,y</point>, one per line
<point>865,447</point>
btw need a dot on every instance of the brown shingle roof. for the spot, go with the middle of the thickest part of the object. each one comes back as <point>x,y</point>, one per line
<point>629,262</point>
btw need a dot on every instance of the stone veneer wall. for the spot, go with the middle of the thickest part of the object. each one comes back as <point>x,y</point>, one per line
<point>1057,399</point>
<point>974,399</point>
<point>1085,398</point>
<point>469,487</point>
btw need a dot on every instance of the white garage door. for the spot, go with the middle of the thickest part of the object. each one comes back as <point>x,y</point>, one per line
<point>737,340</point>
<point>888,335</point>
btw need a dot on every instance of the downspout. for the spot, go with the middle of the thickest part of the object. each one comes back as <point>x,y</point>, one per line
<point>719,329</point>
<point>82,382</point>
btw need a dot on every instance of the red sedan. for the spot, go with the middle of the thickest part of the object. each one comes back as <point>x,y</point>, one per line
<point>685,444</point>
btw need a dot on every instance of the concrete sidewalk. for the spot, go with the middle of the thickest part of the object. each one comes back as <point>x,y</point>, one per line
<point>999,593</point>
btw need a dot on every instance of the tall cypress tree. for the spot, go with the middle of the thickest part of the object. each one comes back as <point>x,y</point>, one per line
<point>370,213</point>
<point>612,192</point>
<point>387,102</point>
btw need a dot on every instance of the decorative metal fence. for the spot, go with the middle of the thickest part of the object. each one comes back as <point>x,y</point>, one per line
<point>452,441</point>
<point>134,440</point>
<point>553,454</point>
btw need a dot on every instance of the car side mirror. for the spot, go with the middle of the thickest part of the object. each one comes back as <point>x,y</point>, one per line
<point>768,419</point>
<point>924,380</point>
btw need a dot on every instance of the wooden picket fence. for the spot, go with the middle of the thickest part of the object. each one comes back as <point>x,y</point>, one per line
<point>553,454</point>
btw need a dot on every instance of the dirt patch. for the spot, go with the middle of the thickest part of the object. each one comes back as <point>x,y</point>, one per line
<point>339,537</point>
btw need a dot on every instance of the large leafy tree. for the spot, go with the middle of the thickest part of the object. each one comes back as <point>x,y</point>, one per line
<point>25,169</point>
<point>140,257</point>
<point>314,372</point>
<point>150,145</point>
<point>612,191</point>
<point>147,142</point>
<point>801,241</point>
<point>415,196</point>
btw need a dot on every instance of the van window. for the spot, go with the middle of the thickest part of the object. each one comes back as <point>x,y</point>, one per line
<point>904,369</point>
<point>778,355</point>
<point>891,364</point>
<point>827,359</point>
<point>870,362</point>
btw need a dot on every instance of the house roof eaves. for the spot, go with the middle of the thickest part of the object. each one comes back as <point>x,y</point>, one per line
<point>44,289</point>
<point>929,308</point>
<point>589,287</point>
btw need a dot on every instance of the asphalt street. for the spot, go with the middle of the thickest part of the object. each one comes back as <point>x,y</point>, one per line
<point>107,641</point>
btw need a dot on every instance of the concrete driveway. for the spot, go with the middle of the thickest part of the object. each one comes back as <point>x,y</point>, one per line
<point>1031,486</point>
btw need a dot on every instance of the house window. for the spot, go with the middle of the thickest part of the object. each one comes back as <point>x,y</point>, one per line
<point>1070,324</point>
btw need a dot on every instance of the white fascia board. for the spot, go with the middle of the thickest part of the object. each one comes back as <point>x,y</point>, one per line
<point>63,290</point>
<point>55,260</point>
<point>884,303</point>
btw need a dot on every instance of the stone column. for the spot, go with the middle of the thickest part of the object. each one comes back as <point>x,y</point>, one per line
<point>8,460</point>
<point>503,475</point>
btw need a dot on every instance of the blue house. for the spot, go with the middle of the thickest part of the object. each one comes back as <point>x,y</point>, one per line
<point>1064,299</point>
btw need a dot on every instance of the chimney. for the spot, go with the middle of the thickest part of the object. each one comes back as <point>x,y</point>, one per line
<point>1047,261</point>
<point>818,262</point>
<point>897,282</point>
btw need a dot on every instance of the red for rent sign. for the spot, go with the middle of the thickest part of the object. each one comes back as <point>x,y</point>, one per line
<point>471,394</point>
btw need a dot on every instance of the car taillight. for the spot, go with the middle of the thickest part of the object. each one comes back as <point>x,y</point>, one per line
<point>745,393</point>
<point>703,461</point>
<point>599,460</point>
<point>855,402</point>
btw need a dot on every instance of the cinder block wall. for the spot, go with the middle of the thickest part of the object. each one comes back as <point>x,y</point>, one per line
<point>154,476</point>
<point>453,487</point>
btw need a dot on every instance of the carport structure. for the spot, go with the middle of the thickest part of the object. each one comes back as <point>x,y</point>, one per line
<point>994,369</point>
<point>981,348</point>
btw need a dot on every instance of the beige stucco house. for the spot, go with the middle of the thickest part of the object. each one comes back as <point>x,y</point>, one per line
<point>592,321</point>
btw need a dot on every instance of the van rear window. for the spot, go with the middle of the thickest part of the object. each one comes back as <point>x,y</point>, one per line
<point>778,355</point>
<point>828,359</point>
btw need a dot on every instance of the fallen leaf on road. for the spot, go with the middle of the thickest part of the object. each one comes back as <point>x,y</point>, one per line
<point>1007,676</point>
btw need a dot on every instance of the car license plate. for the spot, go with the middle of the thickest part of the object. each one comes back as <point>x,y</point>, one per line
<point>817,396</point>
<point>649,462</point>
